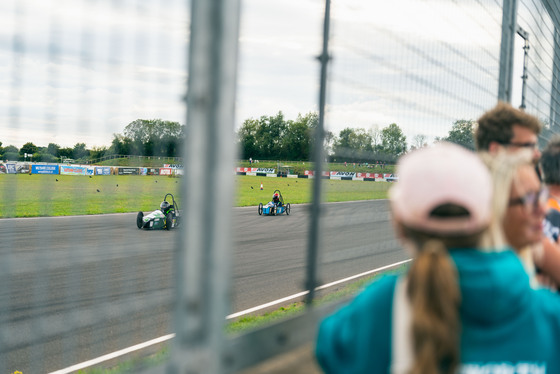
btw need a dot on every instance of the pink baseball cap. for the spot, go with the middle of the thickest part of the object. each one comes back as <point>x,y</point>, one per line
<point>441,174</point>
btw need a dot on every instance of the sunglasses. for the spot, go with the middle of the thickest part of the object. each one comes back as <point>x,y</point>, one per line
<point>528,145</point>
<point>531,200</point>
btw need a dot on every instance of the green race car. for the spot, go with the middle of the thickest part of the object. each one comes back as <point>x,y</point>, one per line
<point>166,217</point>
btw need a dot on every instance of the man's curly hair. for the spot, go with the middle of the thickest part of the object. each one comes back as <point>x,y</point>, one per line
<point>496,125</point>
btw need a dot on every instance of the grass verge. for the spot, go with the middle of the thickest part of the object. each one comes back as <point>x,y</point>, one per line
<point>250,322</point>
<point>24,195</point>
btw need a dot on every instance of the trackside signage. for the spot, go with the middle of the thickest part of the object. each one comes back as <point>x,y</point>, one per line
<point>368,175</point>
<point>312,172</point>
<point>102,170</point>
<point>11,168</point>
<point>44,169</point>
<point>73,170</point>
<point>128,171</point>
<point>342,174</point>
<point>256,170</point>
<point>165,171</point>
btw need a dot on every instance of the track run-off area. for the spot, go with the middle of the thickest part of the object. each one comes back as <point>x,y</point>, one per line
<point>95,285</point>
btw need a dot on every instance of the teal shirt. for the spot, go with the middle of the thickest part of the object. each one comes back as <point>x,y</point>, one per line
<point>507,327</point>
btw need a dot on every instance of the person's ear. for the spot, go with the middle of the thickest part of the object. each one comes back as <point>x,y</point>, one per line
<point>494,147</point>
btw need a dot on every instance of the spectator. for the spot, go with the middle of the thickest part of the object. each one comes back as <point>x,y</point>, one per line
<point>550,166</point>
<point>505,127</point>
<point>519,211</point>
<point>458,309</point>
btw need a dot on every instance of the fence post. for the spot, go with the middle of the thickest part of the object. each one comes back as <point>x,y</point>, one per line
<point>554,12</point>
<point>509,28</point>
<point>203,253</point>
<point>318,155</point>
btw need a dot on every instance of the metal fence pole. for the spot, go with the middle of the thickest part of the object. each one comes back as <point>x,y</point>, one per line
<point>203,255</point>
<point>509,28</point>
<point>318,155</point>
<point>555,94</point>
<point>553,9</point>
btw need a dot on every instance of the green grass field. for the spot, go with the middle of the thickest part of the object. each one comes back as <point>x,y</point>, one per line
<point>34,195</point>
<point>297,191</point>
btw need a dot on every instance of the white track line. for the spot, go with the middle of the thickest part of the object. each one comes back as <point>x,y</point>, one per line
<point>110,356</point>
<point>303,293</point>
<point>161,339</point>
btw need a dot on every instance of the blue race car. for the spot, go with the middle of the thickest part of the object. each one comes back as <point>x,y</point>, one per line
<point>275,207</point>
<point>166,217</point>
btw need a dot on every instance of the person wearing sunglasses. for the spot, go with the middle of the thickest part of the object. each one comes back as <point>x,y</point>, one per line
<point>519,207</point>
<point>460,307</point>
<point>507,128</point>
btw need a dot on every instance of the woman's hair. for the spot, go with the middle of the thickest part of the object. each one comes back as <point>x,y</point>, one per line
<point>433,288</point>
<point>434,295</point>
<point>503,168</point>
<point>442,201</point>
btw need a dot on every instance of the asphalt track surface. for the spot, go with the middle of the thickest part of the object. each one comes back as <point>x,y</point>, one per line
<point>76,288</point>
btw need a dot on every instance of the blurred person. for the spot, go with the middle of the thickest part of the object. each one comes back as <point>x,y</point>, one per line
<point>550,166</point>
<point>458,308</point>
<point>511,130</point>
<point>519,207</point>
<point>507,128</point>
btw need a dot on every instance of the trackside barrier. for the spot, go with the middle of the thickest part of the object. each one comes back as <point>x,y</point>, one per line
<point>128,171</point>
<point>77,170</point>
<point>103,170</point>
<point>45,169</point>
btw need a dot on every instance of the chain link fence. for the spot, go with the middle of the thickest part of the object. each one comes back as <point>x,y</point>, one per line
<point>83,287</point>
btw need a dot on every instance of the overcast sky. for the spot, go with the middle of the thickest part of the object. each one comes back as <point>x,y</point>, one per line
<point>81,70</point>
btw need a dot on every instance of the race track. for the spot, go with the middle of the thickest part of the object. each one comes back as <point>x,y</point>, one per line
<point>115,282</point>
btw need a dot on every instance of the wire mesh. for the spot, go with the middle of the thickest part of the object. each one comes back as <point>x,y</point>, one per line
<point>76,289</point>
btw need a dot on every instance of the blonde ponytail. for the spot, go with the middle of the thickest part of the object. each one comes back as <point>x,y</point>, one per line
<point>435,298</point>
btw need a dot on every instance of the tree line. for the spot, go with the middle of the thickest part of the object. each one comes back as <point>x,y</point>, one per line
<point>276,138</point>
<point>265,138</point>
<point>141,138</point>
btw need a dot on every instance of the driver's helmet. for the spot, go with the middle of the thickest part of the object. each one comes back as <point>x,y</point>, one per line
<point>275,197</point>
<point>164,206</point>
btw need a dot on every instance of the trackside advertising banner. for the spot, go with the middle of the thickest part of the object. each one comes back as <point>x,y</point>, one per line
<point>72,170</point>
<point>11,169</point>
<point>102,170</point>
<point>311,173</point>
<point>165,171</point>
<point>128,171</point>
<point>342,174</point>
<point>76,170</point>
<point>152,171</point>
<point>177,169</point>
<point>256,170</point>
<point>369,175</point>
<point>44,169</point>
